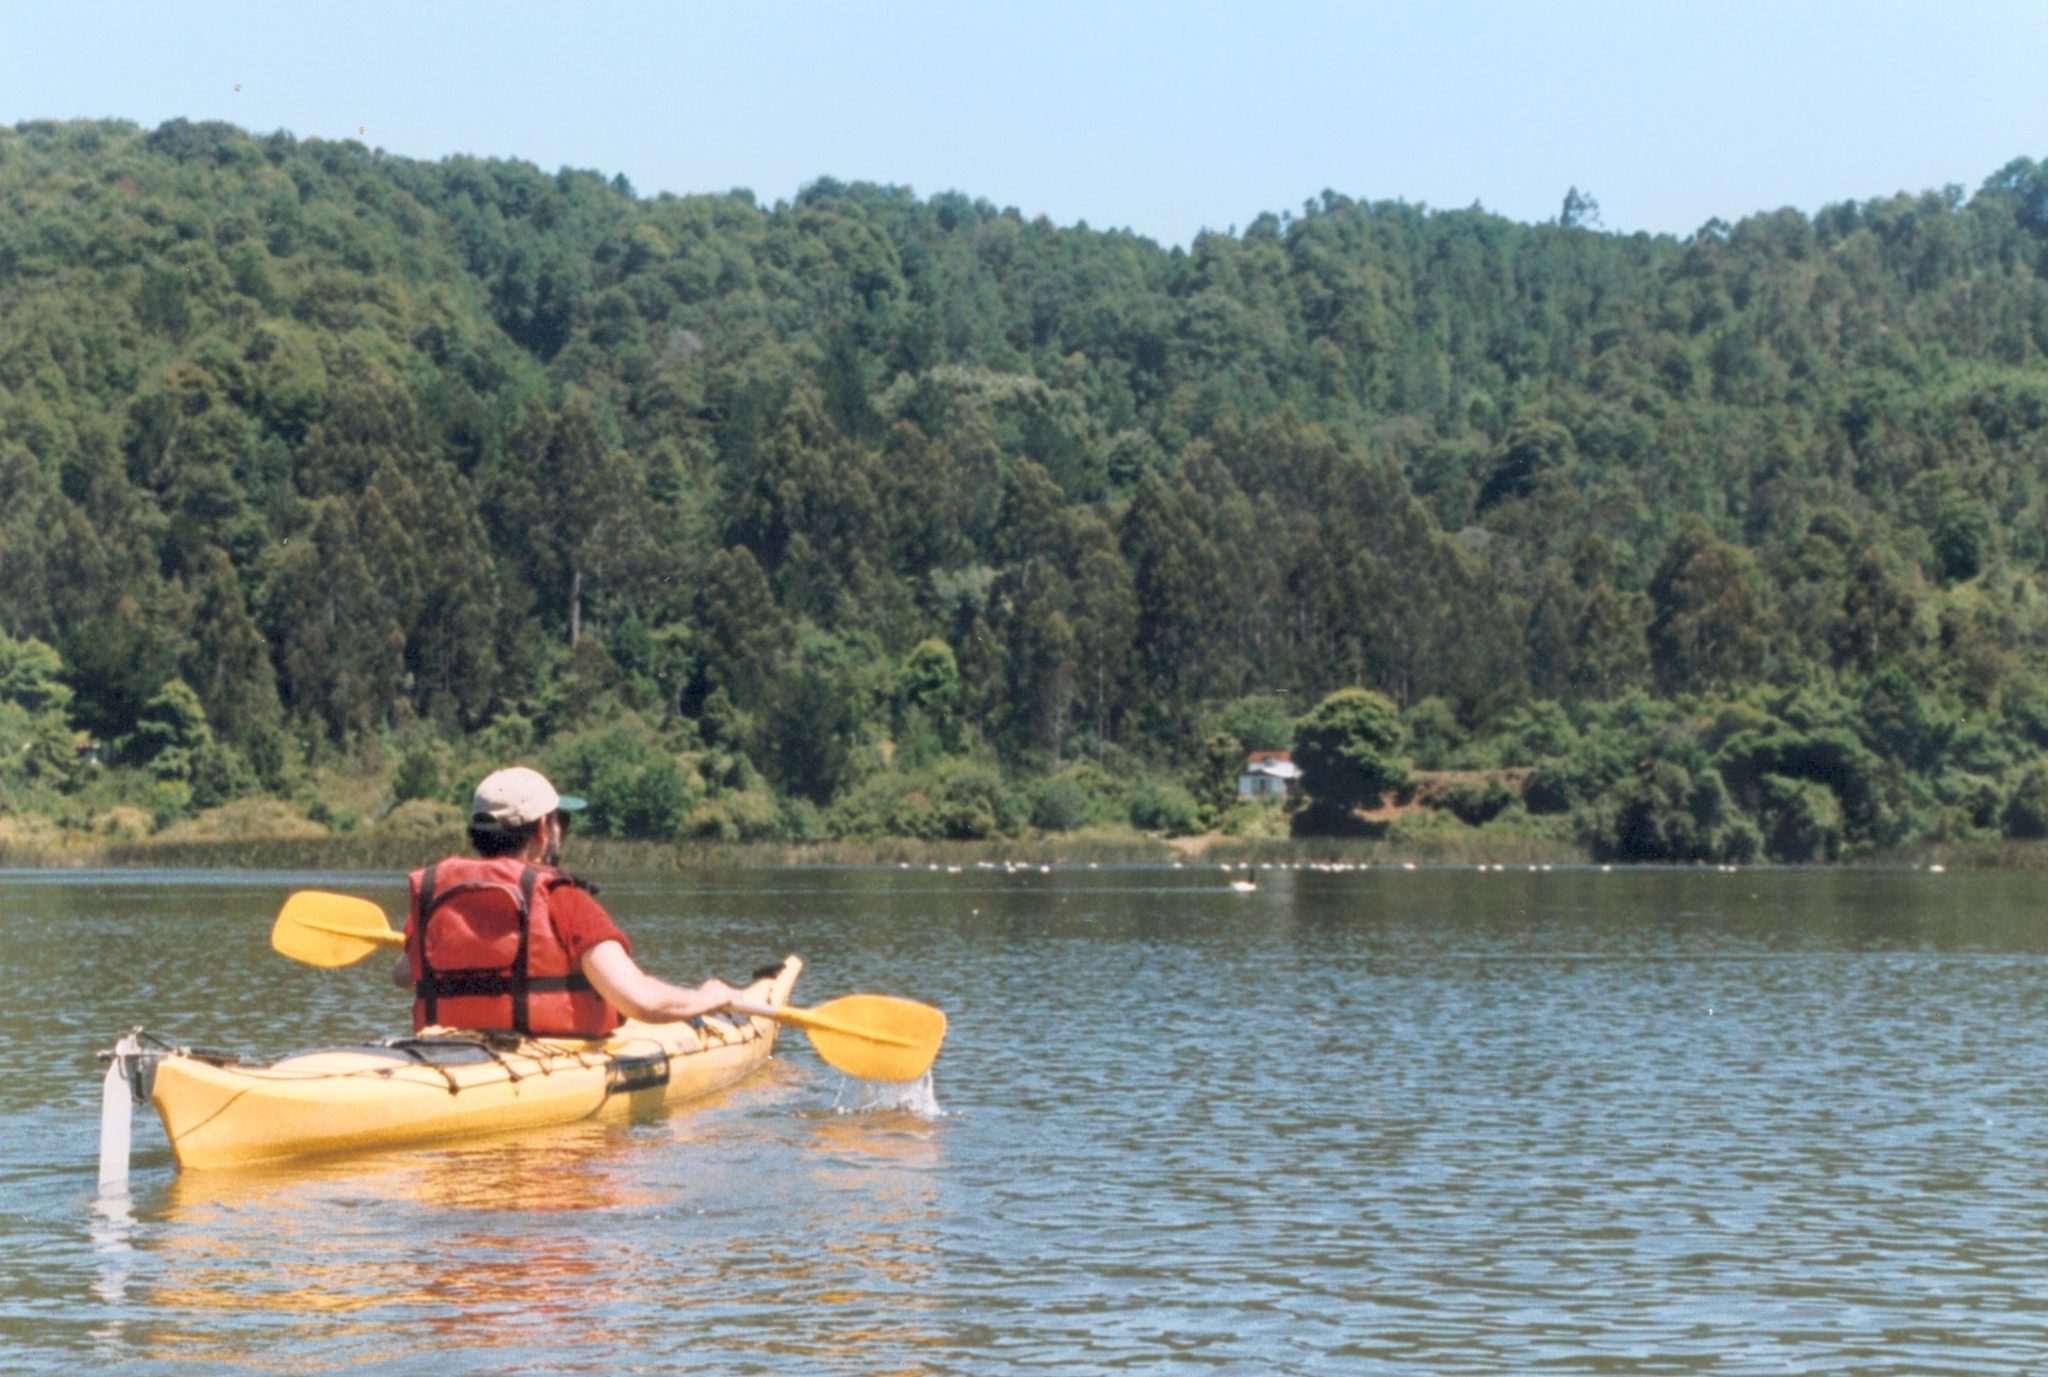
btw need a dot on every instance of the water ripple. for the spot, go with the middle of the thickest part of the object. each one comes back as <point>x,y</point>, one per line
<point>1433,1123</point>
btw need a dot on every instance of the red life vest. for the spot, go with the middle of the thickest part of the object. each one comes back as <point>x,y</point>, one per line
<point>485,954</point>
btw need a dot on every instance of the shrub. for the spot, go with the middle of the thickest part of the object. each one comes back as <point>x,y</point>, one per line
<point>1551,789</point>
<point>969,820</point>
<point>1434,734</point>
<point>1831,756</point>
<point>169,731</point>
<point>1538,730</point>
<point>1348,750</point>
<point>1667,813</point>
<point>743,815</point>
<point>219,774</point>
<point>1256,820</point>
<point>654,803</point>
<point>1478,804</point>
<point>914,815</point>
<point>2026,809</point>
<point>799,820</point>
<point>419,776</point>
<point>167,801</point>
<point>975,801</point>
<point>636,787</point>
<point>888,804</point>
<point>1168,808</point>
<point>1979,800</point>
<point>1104,797</point>
<point>1804,819</point>
<point>1059,805</point>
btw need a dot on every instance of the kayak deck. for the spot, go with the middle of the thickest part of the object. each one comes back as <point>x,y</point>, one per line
<point>444,1084</point>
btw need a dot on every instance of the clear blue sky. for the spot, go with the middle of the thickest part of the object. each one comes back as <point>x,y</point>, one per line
<point>1163,116</point>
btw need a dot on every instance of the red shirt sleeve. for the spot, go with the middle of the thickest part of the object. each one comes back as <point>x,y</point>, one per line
<point>581,922</point>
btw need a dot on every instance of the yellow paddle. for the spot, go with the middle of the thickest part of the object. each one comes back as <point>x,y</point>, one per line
<point>868,1036</point>
<point>871,1037</point>
<point>324,929</point>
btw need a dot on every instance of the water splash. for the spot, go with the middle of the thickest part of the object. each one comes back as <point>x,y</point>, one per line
<point>879,1097</point>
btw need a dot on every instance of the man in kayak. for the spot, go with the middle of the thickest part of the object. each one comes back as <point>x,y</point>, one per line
<point>508,940</point>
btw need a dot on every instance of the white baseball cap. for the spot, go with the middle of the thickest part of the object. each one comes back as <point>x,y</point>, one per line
<point>516,797</point>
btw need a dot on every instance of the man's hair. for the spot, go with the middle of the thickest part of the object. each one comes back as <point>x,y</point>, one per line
<point>493,842</point>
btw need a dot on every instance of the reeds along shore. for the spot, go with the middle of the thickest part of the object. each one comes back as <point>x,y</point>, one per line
<point>598,856</point>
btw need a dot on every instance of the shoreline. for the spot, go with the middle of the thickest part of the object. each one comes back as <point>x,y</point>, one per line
<point>402,852</point>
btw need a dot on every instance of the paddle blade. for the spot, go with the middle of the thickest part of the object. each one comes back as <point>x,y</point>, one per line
<point>324,929</point>
<point>874,1037</point>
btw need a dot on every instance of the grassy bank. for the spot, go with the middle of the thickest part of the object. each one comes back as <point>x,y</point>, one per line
<point>597,856</point>
<point>398,851</point>
<point>388,852</point>
<point>268,835</point>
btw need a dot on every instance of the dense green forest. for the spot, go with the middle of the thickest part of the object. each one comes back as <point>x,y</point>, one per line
<point>870,514</point>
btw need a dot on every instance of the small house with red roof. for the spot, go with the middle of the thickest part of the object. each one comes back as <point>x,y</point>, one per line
<point>1267,774</point>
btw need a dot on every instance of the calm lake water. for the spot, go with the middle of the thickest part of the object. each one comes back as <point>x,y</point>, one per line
<point>1440,1121</point>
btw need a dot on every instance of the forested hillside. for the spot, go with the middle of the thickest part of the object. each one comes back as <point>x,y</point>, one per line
<point>872,513</point>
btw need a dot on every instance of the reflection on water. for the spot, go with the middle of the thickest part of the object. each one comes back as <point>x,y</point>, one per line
<point>540,1246</point>
<point>320,1242</point>
<point>886,1158</point>
<point>1436,1122</point>
<point>112,1229</point>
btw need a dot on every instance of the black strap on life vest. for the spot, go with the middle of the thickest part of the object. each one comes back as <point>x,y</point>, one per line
<point>423,988</point>
<point>463,984</point>
<point>522,983</point>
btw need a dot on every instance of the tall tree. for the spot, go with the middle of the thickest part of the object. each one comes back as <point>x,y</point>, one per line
<point>1706,599</point>
<point>340,650</point>
<point>228,661</point>
<point>1105,625</point>
<point>1179,606</point>
<point>594,498</point>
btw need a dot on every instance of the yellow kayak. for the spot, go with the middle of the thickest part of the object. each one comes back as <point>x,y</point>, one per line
<point>443,1084</point>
